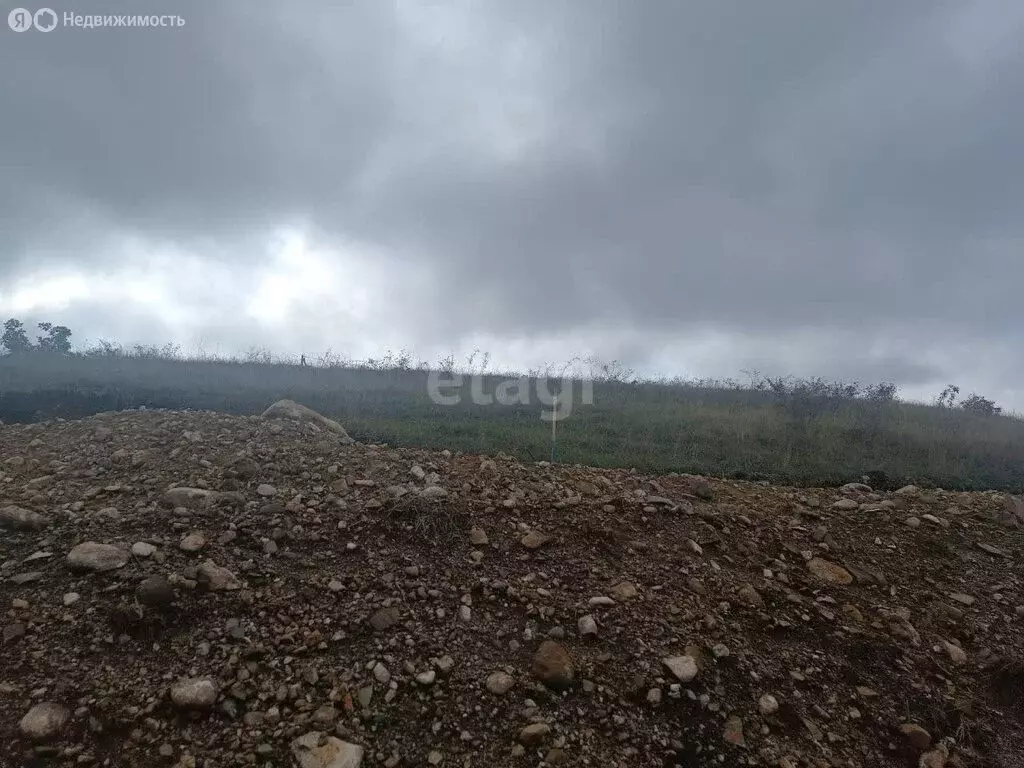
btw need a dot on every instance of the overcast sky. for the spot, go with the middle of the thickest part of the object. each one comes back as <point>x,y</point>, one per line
<point>693,187</point>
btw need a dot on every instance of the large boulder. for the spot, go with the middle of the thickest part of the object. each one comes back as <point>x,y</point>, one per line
<point>289,409</point>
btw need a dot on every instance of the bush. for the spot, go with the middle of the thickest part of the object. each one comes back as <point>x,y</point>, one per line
<point>947,398</point>
<point>977,404</point>
<point>981,406</point>
<point>881,393</point>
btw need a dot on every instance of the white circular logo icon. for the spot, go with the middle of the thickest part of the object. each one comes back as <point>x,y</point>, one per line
<point>45,19</point>
<point>20,19</point>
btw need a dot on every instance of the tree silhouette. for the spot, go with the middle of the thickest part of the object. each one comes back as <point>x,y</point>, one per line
<point>55,338</point>
<point>14,338</point>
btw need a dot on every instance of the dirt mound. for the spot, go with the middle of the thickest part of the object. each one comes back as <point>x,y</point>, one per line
<point>195,589</point>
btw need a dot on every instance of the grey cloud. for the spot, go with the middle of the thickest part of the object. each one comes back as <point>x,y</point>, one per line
<point>227,124</point>
<point>537,168</point>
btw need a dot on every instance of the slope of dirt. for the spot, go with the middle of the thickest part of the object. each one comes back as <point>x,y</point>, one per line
<point>412,608</point>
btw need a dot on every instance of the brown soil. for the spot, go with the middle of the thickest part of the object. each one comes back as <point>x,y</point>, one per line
<point>344,531</point>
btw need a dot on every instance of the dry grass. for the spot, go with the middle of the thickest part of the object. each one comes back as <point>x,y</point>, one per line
<point>714,428</point>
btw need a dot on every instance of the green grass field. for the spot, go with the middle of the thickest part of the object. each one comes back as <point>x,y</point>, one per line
<point>723,430</point>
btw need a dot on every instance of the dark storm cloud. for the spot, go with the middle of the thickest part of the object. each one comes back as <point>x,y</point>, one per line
<point>658,167</point>
<point>230,124</point>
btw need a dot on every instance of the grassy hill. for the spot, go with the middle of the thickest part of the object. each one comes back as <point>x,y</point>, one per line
<point>803,433</point>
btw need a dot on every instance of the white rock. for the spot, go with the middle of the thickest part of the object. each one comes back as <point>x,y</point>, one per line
<point>500,683</point>
<point>683,667</point>
<point>217,579</point>
<point>143,549</point>
<point>856,488</point>
<point>318,750</point>
<point>194,693</point>
<point>193,542</point>
<point>845,504</point>
<point>289,409</point>
<point>768,705</point>
<point>43,721</point>
<point>625,590</point>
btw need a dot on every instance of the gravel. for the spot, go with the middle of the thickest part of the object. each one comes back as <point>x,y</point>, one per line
<point>344,604</point>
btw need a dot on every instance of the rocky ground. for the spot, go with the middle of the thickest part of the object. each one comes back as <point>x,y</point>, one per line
<point>195,589</point>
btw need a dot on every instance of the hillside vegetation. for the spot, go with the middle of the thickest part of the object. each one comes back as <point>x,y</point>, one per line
<point>796,432</point>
